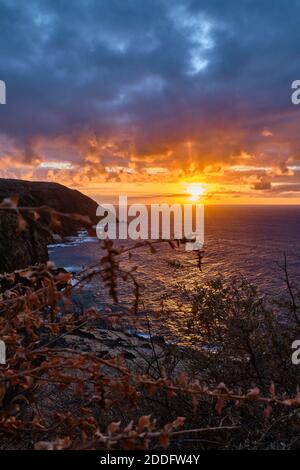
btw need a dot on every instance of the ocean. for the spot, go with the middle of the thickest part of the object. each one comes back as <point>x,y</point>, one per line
<point>240,241</point>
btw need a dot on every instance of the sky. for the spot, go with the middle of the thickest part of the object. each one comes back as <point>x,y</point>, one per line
<point>152,99</point>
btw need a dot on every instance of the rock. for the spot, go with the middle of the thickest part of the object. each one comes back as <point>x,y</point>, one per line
<point>29,247</point>
<point>22,250</point>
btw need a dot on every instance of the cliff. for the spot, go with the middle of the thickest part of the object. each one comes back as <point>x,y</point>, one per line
<point>19,250</point>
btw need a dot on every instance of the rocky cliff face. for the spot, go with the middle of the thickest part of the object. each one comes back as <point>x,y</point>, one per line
<point>19,250</point>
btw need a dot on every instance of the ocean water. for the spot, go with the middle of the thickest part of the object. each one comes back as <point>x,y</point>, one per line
<point>243,241</point>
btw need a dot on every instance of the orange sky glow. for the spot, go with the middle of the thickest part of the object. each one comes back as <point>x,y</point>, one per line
<point>104,172</point>
<point>155,102</point>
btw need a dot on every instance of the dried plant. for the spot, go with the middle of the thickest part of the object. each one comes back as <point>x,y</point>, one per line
<point>102,402</point>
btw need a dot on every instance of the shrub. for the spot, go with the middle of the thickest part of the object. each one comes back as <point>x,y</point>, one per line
<point>58,396</point>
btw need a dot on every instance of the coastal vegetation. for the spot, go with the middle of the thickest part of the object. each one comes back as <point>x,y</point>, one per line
<point>84,380</point>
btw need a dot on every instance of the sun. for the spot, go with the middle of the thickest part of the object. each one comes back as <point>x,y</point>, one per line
<point>196,190</point>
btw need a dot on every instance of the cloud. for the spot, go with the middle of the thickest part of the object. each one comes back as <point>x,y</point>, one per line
<point>103,84</point>
<point>262,185</point>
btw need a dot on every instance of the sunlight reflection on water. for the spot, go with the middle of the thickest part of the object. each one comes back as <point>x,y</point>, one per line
<point>239,241</point>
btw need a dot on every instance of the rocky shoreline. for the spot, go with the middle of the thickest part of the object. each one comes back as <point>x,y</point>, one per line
<point>19,250</point>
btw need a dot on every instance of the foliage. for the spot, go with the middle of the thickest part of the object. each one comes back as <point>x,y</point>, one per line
<point>102,402</point>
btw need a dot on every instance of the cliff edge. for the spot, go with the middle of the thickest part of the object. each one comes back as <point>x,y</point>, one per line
<point>19,250</point>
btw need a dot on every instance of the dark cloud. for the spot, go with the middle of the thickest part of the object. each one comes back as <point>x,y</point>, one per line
<point>159,72</point>
<point>262,185</point>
